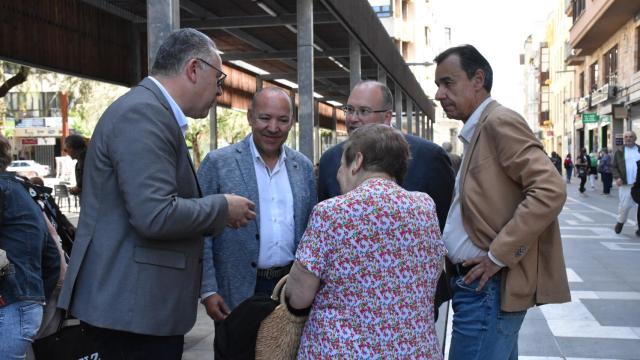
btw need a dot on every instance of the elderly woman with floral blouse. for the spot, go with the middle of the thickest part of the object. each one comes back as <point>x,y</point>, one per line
<point>369,260</point>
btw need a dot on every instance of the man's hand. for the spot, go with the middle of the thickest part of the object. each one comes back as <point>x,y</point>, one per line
<point>619,182</point>
<point>484,269</point>
<point>217,309</point>
<point>240,210</point>
<point>74,190</point>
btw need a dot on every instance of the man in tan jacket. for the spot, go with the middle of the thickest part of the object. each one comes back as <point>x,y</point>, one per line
<point>502,233</point>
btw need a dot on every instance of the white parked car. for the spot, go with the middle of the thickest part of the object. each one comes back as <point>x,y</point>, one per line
<point>28,168</point>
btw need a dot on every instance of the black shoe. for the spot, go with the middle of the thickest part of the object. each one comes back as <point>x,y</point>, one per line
<point>618,228</point>
<point>638,232</point>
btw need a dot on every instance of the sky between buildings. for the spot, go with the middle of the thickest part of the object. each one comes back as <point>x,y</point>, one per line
<point>498,29</point>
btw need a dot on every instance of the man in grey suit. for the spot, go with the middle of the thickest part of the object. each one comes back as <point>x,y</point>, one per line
<point>135,270</point>
<point>280,181</point>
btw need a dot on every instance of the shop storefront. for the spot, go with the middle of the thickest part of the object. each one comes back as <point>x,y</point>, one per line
<point>38,139</point>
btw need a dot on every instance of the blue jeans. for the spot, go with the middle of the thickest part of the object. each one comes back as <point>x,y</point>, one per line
<point>480,329</point>
<point>19,324</point>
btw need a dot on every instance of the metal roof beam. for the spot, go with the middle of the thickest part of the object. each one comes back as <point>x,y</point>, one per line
<point>239,22</point>
<point>318,74</point>
<point>277,55</point>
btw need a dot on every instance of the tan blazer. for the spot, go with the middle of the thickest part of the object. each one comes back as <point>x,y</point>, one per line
<point>511,196</point>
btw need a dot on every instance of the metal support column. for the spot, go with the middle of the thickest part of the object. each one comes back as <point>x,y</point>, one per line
<point>213,128</point>
<point>317,143</point>
<point>382,75</point>
<point>305,76</point>
<point>354,62</point>
<point>295,129</point>
<point>334,126</point>
<point>398,107</point>
<point>409,116</point>
<point>163,17</point>
<point>417,119</point>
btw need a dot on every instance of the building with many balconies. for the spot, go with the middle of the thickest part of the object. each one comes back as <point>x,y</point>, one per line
<point>604,42</point>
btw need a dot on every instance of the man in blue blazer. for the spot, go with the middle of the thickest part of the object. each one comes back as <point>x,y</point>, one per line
<point>242,262</point>
<point>429,169</point>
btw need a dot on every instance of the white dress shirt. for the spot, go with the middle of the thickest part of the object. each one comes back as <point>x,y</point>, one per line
<point>177,112</point>
<point>631,156</point>
<point>277,229</point>
<point>455,237</point>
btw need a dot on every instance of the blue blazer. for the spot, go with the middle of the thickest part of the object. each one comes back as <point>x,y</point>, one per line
<point>429,172</point>
<point>230,259</point>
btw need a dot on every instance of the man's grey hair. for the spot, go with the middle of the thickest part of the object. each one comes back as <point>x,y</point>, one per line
<point>178,48</point>
<point>387,98</point>
<point>272,89</point>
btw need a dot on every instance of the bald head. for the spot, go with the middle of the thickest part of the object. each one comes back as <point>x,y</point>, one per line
<point>629,138</point>
<point>370,102</point>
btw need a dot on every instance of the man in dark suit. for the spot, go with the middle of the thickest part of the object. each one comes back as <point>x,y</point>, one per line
<point>279,180</point>
<point>429,169</point>
<point>135,269</point>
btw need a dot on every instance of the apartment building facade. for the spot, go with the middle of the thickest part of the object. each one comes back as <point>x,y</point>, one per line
<point>604,48</point>
<point>419,37</point>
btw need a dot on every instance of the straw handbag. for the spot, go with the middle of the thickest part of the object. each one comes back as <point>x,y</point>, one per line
<point>279,333</point>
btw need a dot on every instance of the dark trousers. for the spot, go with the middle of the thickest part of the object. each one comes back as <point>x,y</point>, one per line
<point>122,345</point>
<point>583,180</point>
<point>607,181</point>
<point>265,286</point>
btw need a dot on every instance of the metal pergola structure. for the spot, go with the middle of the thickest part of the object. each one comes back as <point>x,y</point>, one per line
<point>324,46</point>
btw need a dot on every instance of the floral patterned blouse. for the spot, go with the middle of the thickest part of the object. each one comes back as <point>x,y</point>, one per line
<point>378,254</point>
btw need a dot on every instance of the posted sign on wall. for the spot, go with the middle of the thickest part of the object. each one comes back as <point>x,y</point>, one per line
<point>590,118</point>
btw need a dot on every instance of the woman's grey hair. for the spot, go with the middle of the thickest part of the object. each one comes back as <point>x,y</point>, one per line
<point>181,46</point>
<point>5,153</point>
<point>383,148</point>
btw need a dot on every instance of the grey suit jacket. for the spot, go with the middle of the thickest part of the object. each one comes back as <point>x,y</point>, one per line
<point>137,259</point>
<point>230,259</point>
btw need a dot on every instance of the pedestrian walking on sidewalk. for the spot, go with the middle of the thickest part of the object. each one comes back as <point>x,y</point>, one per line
<point>582,169</point>
<point>593,170</point>
<point>604,168</point>
<point>624,171</point>
<point>568,167</point>
<point>557,161</point>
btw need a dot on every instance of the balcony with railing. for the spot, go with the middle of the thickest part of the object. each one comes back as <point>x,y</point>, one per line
<point>598,21</point>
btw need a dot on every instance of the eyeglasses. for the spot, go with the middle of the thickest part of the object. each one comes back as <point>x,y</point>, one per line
<point>220,80</point>
<point>362,112</point>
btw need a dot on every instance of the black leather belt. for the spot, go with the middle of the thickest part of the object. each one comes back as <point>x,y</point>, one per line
<point>274,272</point>
<point>459,270</point>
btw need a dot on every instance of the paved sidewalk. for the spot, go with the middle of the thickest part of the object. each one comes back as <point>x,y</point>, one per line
<point>603,319</point>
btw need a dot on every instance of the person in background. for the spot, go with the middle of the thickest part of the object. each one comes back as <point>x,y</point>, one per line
<point>604,168</point>
<point>593,170</point>
<point>34,267</point>
<point>456,159</point>
<point>243,262</point>
<point>582,170</point>
<point>624,171</point>
<point>370,259</point>
<point>76,147</point>
<point>502,234</point>
<point>557,161</point>
<point>568,167</point>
